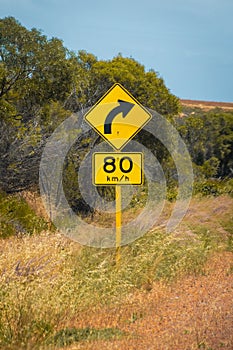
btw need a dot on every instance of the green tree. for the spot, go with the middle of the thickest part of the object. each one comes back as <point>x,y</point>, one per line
<point>209,138</point>
<point>41,82</point>
<point>93,78</point>
<point>35,79</point>
<point>33,69</point>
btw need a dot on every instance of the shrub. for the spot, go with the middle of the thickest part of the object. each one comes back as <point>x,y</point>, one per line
<point>16,216</point>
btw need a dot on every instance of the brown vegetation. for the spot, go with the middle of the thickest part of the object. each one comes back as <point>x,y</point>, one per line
<point>206,105</point>
<point>50,283</point>
<point>194,312</point>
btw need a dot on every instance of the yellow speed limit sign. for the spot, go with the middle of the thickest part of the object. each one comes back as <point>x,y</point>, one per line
<point>117,168</point>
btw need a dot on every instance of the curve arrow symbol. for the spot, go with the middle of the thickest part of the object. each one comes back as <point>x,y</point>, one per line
<point>124,108</point>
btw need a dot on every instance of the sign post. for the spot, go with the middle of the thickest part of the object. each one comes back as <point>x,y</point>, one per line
<point>118,224</point>
<point>117,117</point>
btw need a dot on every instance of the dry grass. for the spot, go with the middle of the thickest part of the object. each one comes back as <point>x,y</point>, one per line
<point>207,105</point>
<point>194,313</point>
<point>170,292</point>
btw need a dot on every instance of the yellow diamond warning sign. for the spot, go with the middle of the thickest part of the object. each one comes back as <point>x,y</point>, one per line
<point>117,116</point>
<point>117,168</point>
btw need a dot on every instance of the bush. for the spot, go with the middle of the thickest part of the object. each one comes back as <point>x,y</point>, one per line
<point>16,216</point>
<point>213,187</point>
<point>68,336</point>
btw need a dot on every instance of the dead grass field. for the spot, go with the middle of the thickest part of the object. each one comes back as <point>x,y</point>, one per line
<point>46,286</point>
<point>207,105</point>
<point>194,312</point>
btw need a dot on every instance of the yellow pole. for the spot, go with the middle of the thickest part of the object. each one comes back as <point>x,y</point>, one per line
<point>118,224</point>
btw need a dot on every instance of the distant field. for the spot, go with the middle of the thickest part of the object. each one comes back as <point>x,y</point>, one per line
<point>207,105</point>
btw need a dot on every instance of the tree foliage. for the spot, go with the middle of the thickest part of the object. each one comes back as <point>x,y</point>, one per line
<point>33,69</point>
<point>35,74</point>
<point>93,78</point>
<point>42,83</point>
<point>209,137</point>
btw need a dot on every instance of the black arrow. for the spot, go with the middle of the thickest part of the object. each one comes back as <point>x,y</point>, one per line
<point>124,108</point>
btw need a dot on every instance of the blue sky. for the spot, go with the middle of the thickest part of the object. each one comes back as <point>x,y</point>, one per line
<point>189,42</point>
